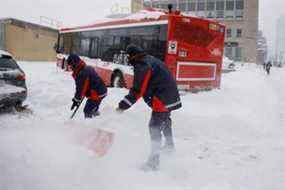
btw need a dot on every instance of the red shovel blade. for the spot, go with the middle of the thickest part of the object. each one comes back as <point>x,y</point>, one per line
<point>97,140</point>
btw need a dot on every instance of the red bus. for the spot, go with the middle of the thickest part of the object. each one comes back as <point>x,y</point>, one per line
<point>192,48</point>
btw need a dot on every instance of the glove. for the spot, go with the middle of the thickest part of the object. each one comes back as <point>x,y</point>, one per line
<point>119,110</point>
<point>75,103</point>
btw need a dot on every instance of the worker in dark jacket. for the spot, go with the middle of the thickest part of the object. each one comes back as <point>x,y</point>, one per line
<point>88,84</point>
<point>154,82</point>
<point>267,67</point>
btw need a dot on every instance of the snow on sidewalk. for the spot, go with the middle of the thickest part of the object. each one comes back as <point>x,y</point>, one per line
<point>232,138</point>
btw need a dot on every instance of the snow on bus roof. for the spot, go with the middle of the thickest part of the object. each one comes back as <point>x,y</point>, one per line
<point>150,14</point>
<point>146,14</point>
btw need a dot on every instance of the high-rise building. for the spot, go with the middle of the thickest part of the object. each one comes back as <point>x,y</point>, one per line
<point>239,16</point>
<point>280,41</point>
<point>261,48</point>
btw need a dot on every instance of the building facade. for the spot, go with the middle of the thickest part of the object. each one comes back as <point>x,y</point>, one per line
<point>239,16</point>
<point>27,41</point>
<point>280,42</point>
<point>262,49</point>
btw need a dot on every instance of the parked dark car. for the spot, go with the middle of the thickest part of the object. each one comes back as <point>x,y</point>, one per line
<point>13,89</point>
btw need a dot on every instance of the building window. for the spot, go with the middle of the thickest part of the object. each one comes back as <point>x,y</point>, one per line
<point>238,53</point>
<point>164,6</point>
<point>220,14</point>
<point>230,5</point>
<point>146,4</point>
<point>229,52</point>
<point>155,4</point>
<point>182,5</point>
<point>192,5</point>
<point>210,5</point>
<point>174,5</point>
<point>201,5</point>
<point>220,5</point>
<point>233,51</point>
<point>239,4</point>
<point>239,14</point>
<point>229,33</point>
<point>210,15</point>
<point>239,33</point>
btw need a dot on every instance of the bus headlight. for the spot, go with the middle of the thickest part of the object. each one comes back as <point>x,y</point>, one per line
<point>172,47</point>
<point>182,53</point>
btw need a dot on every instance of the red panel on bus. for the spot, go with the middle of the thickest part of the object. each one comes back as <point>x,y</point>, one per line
<point>190,72</point>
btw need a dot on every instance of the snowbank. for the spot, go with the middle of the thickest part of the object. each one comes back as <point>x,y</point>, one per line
<point>6,89</point>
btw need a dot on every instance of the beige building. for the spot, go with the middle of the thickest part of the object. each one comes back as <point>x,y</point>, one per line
<point>27,41</point>
<point>239,16</point>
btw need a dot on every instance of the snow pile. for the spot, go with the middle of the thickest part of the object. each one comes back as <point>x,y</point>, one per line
<point>143,14</point>
<point>7,89</point>
<point>99,21</point>
<point>189,14</point>
<point>232,138</point>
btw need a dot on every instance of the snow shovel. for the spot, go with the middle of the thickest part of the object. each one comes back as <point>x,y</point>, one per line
<point>97,140</point>
<point>76,109</point>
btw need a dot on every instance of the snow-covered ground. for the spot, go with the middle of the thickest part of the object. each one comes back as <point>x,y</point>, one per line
<point>227,139</point>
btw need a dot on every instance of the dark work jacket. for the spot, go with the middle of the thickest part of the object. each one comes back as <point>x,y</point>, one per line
<point>268,65</point>
<point>88,83</point>
<point>154,82</point>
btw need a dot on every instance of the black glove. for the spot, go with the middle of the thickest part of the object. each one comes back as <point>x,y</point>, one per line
<point>123,105</point>
<point>119,110</point>
<point>75,103</point>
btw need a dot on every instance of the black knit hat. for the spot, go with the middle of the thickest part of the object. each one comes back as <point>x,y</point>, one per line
<point>133,50</point>
<point>73,60</point>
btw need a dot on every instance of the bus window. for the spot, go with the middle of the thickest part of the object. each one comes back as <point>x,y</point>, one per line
<point>76,43</point>
<point>84,46</point>
<point>60,48</point>
<point>108,50</point>
<point>94,50</point>
<point>67,43</point>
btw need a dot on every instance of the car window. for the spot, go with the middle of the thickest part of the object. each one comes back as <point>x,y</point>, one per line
<point>8,63</point>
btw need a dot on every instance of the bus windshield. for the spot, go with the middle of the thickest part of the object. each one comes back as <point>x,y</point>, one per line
<point>192,34</point>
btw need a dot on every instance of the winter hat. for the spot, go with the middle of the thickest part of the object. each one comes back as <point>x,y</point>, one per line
<point>73,60</point>
<point>133,50</point>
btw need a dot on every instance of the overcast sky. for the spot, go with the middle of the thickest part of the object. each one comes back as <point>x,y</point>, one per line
<point>86,11</point>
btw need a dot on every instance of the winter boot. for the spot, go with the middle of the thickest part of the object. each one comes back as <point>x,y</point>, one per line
<point>152,164</point>
<point>167,132</point>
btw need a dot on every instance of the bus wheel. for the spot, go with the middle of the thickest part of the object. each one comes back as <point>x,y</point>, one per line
<point>118,80</point>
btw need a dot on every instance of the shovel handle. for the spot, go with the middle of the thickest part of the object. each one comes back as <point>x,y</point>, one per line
<point>76,109</point>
